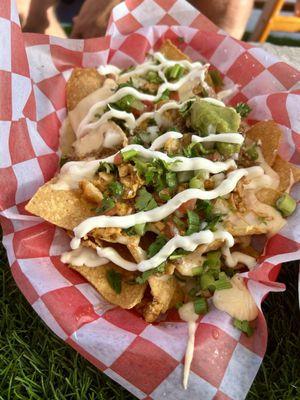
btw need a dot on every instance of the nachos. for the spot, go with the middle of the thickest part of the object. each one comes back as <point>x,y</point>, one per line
<point>163,188</point>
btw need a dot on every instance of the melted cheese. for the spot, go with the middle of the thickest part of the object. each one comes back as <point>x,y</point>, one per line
<point>83,256</point>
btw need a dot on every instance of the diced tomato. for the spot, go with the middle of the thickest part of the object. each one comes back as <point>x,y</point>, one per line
<point>118,159</point>
<point>136,112</point>
<point>149,106</point>
<point>188,205</point>
<point>174,96</point>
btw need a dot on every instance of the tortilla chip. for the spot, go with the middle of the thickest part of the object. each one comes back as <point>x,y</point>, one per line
<point>67,138</point>
<point>163,289</point>
<point>268,196</point>
<point>63,208</point>
<point>130,295</point>
<point>269,135</point>
<point>170,51</point>
<point>82,82</point>
<point>288,173</point>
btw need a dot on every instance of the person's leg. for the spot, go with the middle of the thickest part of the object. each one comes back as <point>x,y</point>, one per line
<point>39,17</point>
<point>230,15</point>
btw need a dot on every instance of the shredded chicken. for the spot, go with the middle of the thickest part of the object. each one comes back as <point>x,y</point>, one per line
<point>103,180</point>
<point>90,192</point>
<point>130,180</point>
<point>123,208</point>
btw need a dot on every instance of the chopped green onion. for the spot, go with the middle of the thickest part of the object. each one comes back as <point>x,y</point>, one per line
<point>213,259</point>
<point>252,152</point>
<point>197,270</point>
<point>158,244</point>
<point>129,154</point>
<point>243,109</point>
<point>174,72</point>
<point>153,77</point>
<point>207,282</point>
<point>116,188</point>
<point>165,96</point>
<point>286,205</point>
<point>196,183</point>
<point>128,102</point>
<point>114,278</point>
<point>140,229</point>
<point>184,176</point>
<point>222,284</point>
<point>243,326</point>
<point>171,179</point>
<point>200,306</point>
<point>193,222</point>
<point>144,200</point>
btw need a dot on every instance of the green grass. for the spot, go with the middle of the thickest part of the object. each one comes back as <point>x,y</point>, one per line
<point>36,365</point>
<point>279,41</point>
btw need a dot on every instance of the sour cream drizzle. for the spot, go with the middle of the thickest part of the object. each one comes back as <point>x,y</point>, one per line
<point>221,137</point>
<point>196,71</point>
<point>232,259</point>
<point>159,213</point>
<point>187,313</point>
<point>188,243</point>
<point>73,172</point>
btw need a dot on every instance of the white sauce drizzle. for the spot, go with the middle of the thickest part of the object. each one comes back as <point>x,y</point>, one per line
<point>159,213</point>
<point>196,71</point>
<point>187,313</point>
<point>108,69</point>
<point>161,140</point>
<point>73,172</point>
<point>220,137</point>
<point>188,243</point>
<point>83,256</point>
<point>216,102</point>
<point>113,113</point>
<point>232,259</point>
<point>156,114</point>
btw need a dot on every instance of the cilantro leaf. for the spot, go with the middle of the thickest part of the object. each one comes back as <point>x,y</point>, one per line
<point>243,109</point>
<point>158,244</point>
<point>164,96</point>
<point>193,222</point>
<point>145,275</point>
<point>114,278</point>
<point>144,200</point>
<point>107,204</point>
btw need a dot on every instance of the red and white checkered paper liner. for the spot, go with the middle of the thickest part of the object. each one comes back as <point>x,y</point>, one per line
<point>146,359</point>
